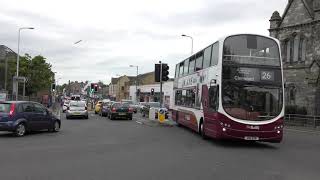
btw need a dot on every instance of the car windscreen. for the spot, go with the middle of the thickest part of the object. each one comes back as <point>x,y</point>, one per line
<point>4,107</point>
<point>77,104</point>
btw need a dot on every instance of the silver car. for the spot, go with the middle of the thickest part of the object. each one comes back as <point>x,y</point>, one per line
<point>77,109</point>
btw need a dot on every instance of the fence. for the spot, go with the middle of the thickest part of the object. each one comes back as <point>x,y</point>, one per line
<point>23,98</point>
<point>302,120</point>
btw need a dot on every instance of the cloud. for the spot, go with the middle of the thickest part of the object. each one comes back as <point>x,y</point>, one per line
<point>118,33</point>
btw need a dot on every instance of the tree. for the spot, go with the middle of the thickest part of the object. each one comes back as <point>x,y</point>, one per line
<point>38,72</point>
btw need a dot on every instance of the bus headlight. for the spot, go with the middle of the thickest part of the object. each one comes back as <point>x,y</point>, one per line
<point>278,127</point>
<point>224,129</point>
<point>278,131</point>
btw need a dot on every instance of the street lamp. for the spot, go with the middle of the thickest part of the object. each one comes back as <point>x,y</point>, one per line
<point>136,81</point>
<point>183,35</point>
<point>18,58</point>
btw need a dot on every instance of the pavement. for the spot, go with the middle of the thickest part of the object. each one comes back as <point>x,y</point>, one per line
<point>99,148</point>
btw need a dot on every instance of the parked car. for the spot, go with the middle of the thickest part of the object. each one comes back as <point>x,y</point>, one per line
<point>105,108</point>
<point>65,105</point>
<point>131,104</point>
<point>77,109</point>
<point>21,117</point>
<point>97,107</point>
<point>120,110</point>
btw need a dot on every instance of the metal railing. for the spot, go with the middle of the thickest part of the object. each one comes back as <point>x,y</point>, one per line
<point>302,120</point>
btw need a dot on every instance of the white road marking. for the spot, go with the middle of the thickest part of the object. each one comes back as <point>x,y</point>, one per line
<point>139,122</point>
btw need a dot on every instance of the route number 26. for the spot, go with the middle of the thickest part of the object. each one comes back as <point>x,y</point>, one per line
<point>266,75</point>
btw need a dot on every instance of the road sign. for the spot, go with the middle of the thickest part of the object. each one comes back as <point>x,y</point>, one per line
<point>20,79</point>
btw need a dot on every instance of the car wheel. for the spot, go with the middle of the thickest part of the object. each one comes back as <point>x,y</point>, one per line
<point>111,117</point>
<point>67,117</point>
<point>130,118</point>
<point>86,117</point>
<point>95,112</point>
<point>20,130</point>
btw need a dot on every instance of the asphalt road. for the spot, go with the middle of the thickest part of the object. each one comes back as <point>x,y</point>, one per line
<point>99,148</point>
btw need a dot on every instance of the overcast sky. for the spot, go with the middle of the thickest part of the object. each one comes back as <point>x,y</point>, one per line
<point>118,33</point>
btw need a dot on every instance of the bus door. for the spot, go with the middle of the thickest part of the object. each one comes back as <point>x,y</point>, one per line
<point>210,103</point>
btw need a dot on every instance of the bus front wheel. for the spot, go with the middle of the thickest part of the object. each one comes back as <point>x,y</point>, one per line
<point>201,131</point>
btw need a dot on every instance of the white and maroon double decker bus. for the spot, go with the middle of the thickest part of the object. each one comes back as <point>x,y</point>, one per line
<point>232,89</point>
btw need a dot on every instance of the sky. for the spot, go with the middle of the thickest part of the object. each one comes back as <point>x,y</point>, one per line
<point>118,33</point>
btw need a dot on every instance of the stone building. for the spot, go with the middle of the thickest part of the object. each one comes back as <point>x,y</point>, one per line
<point>123,84</point>
<point>298,30</point>
<point>113,88</point>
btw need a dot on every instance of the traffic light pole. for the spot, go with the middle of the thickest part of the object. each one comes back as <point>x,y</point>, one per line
<point>160,84</point>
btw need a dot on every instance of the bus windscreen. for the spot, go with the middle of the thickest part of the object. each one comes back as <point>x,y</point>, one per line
<point>251,49</point>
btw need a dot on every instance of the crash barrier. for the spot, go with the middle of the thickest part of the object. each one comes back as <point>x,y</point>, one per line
<point>302,120</point>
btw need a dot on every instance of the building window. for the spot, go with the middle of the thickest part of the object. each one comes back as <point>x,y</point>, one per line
<point>291,94</point>
<point>284,50</point>
<point>296,48</point>
<point>302,49</point>
<point>288,51</point>
<point>291,50</point>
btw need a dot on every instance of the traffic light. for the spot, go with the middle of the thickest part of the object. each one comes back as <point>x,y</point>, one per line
<point>157,69</point>
<point>152,91</point>
<point>165,72</point>
<point>95,87</point>
<point>92,85</point>
<point>53,86</point>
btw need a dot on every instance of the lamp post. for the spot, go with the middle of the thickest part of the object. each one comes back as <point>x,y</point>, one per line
<point>57,84</point>
<point>136,81</point>
<point>18,58</point>
<point>183,35</point>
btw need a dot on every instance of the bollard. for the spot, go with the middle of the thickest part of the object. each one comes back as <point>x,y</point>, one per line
<point>161,116</point>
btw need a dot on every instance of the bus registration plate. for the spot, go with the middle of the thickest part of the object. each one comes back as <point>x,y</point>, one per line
<point>251,138</point>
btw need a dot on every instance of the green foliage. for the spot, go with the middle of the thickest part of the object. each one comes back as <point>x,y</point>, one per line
<point>36,69</point>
